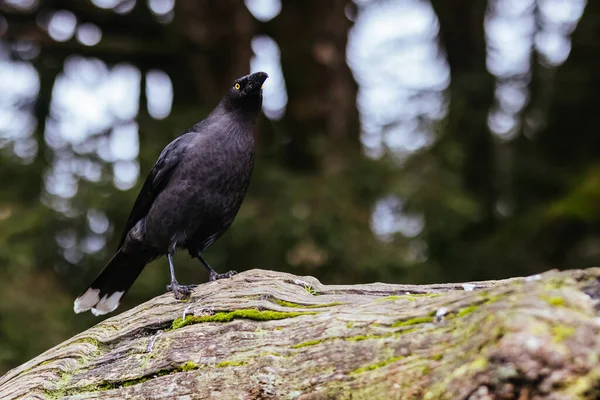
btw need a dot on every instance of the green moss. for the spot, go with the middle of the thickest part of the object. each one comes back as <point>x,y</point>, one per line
<point>188,366</point>
<point>270,353</point>
<point>556,301</point>
<point>466,311</point>
<point>561,332</point>
<point>252,314</point>
<point>410,297</point>
<point>297,305</point>
<point>312,291</point>
<point>146,359</point>
<point>358,338</point>
<point>99,347</point>
<point>286,303</point>
<point>583,387</point>
<point>224,364</point>
<point>134,382</point>
<point>309,343</point>
<point>92,341</point>
<point>413,321</point>
<point>108,386</point>
<point>377,365</point>
<point>349,325</point>
<point>437,357</point>
<point>36,365</point>
<point>404,332</point>
<point>60,390</point>
<point>397,297</point>
<point>492,299</point>
<point>479,364</point>
<point>554,283</point>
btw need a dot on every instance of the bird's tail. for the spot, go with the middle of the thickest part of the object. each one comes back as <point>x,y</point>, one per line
<point>105,292</point>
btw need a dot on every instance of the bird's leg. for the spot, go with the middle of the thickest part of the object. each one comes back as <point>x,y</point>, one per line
<point>181,292</point>
<point>212,274</point>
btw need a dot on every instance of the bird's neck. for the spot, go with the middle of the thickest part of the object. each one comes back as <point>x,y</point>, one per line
<point>234,125</point>
<point>249,105</point>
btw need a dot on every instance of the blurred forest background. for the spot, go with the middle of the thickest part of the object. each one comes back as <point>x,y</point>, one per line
<point>402,141</point>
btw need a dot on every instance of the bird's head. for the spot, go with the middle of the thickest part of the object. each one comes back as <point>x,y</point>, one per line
<point>245,93</point>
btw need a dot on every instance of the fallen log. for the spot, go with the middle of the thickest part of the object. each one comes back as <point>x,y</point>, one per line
<point>270,335</point>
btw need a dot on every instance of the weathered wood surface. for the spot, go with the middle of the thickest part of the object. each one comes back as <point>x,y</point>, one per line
<point>523,338</point>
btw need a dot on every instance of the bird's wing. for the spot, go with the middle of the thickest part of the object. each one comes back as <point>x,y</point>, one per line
<point>156,180</point>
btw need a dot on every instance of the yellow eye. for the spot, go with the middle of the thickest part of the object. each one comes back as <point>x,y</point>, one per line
<point>237,86</point>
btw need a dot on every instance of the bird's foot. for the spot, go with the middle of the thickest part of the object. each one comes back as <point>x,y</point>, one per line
<point>181,292</point>
<point>213,275</point>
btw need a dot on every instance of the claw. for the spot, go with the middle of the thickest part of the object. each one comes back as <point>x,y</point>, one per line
<point>214,276</point>
<point>181,292</point>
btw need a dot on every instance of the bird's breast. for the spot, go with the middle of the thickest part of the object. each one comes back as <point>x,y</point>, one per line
<point>204,194</point>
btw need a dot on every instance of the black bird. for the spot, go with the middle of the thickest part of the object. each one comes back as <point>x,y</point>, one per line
<point>189,199</point>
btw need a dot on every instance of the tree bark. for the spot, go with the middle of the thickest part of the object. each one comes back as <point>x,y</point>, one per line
<point>270,335</point>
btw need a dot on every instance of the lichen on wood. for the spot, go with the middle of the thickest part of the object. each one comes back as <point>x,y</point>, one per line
<point>265,335</point>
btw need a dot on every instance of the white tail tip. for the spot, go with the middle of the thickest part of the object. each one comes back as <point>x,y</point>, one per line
<point>87,300</point>
<point>90,300</point>
<point>107,303</point>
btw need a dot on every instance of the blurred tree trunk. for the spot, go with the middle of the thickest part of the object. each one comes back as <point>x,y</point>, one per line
<point>321,121</point>
<point>216,37</point>
<point>567,143</point>
<point>471,96</point>
<point>569,138</point>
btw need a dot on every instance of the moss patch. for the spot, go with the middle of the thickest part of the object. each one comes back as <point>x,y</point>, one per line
<point>298,305</point>
<point>222,317</point>
<point>556,301</point>
<point>413,321</point>
<point>356,338</point>
<point>410,297</point>
<point>224,364</point>
<point>466,311</point>
<point>188,366</point>
<point>62,391</point>
<point>561,332</point>
<point>554,283</point>
<point>479,364</point>
<point>377,365</point>
<point>309,343</point>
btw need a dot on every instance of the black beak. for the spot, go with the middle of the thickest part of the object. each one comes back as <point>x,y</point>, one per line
<point>256,80</point>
